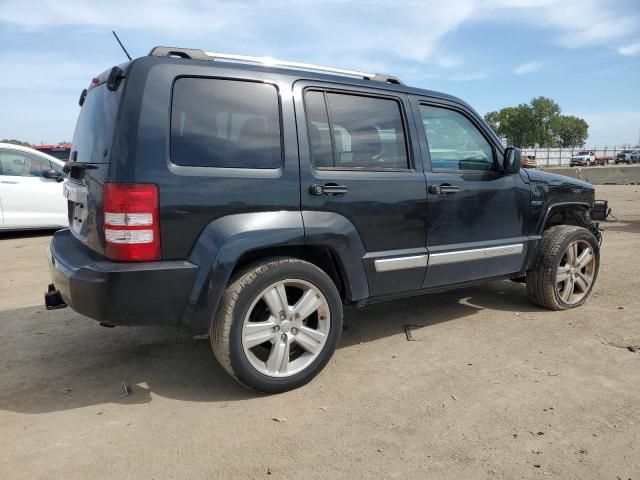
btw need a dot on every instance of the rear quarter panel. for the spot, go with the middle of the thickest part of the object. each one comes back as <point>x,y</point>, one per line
<point>193,197</point>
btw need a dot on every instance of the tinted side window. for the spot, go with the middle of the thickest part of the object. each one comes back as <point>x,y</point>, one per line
<point>454,142</point>
<point>225,123</point>
<point>18,164</point>
<point>364,132</point>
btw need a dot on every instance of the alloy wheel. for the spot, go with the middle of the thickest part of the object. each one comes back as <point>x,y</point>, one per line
<point>286,328</point>
<point>575,273</point>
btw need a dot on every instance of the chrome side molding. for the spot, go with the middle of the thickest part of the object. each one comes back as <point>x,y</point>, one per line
<point>475,254</point>
<point>391,264</point>
<point>401,263</point>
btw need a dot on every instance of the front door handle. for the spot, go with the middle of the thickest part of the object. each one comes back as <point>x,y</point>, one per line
<point>443,189</point>
<point>8,182</point>
<point>328,189</point>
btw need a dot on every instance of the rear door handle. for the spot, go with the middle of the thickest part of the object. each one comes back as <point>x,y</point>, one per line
<point>8,182</point>
<point>328,189</point>
<point>443,189</point>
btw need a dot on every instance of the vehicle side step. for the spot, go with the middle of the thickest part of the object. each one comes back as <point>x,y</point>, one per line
<point>53,299</point>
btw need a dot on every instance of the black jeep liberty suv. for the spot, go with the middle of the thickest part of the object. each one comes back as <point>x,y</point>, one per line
<point>251,199</point>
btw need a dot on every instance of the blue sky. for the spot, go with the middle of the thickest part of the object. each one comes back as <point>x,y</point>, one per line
<point>585,54</point>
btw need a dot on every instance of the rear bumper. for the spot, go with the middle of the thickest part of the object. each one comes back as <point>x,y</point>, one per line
<point>150,293</point>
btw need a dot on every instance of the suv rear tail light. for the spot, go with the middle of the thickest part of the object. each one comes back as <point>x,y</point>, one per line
<point>131,228</point>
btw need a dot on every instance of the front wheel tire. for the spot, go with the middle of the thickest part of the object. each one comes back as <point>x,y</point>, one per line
<point>278,324</point>
<point>566,268</point>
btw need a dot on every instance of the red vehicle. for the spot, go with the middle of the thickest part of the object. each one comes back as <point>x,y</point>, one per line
<point>61,152</point>
<point>604,160</point>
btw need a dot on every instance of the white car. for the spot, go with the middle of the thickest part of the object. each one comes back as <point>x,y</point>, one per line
<point>30,189</point>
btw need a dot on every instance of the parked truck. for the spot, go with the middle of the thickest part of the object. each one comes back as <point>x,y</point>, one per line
<point>586,158</point>
<point>628,156</point>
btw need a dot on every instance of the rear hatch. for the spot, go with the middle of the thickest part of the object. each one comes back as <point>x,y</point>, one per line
<point>90,157</point>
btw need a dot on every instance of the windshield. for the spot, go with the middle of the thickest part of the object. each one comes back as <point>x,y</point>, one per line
<point>94,130</point>
<point>584,153</point>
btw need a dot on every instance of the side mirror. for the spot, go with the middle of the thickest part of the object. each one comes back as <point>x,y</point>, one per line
<point>53,174</point>
<point>512,160</point>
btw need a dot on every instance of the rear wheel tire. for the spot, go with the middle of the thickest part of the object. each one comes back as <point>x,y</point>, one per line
<point>278,324</point>
<point>566,268</point>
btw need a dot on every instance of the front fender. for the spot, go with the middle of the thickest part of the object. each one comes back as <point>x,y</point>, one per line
<point>580,209</point>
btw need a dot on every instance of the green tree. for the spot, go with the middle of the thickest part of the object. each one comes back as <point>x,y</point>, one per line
<point>16,142</point>
<point>544,111</point>
<point>570,131</point>
<point>514,123</point>
<point>538,123</point>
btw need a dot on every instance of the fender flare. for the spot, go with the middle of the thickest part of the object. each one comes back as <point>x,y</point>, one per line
<point>332,230</point>
<point>223,242</point>
<point>551,209</point>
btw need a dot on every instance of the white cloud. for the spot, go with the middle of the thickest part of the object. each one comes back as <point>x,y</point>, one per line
<point>629,50</point>
<point>448,61</point>
<point>525,68</point>
<point>413,31</point>
<point>375,35</point>
<point>578,23</point>
<point>340,27</point>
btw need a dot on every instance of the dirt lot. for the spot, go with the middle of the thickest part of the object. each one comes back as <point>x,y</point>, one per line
<point>493,387</point>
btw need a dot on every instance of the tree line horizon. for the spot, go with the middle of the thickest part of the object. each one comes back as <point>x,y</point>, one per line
<point>540,124</point>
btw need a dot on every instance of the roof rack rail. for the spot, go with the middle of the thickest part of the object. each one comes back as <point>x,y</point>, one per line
<point>271,62</point>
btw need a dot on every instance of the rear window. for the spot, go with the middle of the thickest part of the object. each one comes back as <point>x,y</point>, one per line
<point>225,123</point>
<point>94,130</point>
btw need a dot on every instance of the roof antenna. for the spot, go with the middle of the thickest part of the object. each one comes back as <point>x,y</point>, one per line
<point>125,50</point>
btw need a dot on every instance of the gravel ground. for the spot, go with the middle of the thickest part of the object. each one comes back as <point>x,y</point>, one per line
<point>492,387</point>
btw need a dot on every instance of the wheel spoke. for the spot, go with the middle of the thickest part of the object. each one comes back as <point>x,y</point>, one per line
<point>278,360</point>
<point>256,333</point>
<point>585,257</point>
<point>308,303</point>
<point>572,254</point>
<point>563,273</point>
<point>317,335</point>
<point>308,341</point>
<point>276,300</point>
<point>567,291</point>
<point>583,281</point>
